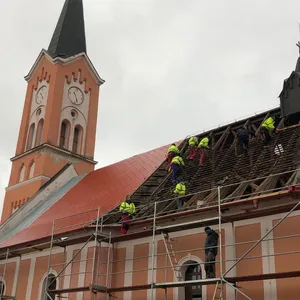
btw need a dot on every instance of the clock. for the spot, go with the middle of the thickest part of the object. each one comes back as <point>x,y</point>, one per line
<point>41,95</point>
<point>75,95</point>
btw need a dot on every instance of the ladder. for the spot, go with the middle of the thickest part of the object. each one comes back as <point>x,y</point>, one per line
<point>171,255</point>
<point>218,292</point>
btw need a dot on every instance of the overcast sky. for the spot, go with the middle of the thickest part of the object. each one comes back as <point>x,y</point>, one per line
<point>172,68</point>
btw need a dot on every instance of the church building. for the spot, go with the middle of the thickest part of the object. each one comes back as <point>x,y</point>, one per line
<point>60,234</point>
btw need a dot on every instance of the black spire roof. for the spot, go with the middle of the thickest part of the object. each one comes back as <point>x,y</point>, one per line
<point>69,35</point>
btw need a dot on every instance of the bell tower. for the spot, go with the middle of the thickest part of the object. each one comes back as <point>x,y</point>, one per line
<point>59,120</point>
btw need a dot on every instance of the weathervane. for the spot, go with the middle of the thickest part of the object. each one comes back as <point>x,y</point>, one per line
<point>298,44</point>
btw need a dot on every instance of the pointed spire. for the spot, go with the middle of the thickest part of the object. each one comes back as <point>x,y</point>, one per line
<point>69,35</point>
<point>297,69</point>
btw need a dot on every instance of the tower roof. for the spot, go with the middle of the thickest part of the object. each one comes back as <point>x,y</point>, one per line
<point>69,35</point>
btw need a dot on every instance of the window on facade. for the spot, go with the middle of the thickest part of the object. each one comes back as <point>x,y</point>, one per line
<point>22,174</point>
<point>2,288</point>
<point>77,138</point>
<point>193,292</point>
<point>49,283</point>
<point>31,170</point>
<point>39,132</point>
<point>64,134</point>
<point>30,137</point>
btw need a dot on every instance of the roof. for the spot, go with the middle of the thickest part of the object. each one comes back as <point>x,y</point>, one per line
<point>69,35</point>
<point>104,188</point>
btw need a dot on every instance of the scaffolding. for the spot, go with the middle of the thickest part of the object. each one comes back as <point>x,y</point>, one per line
<point>160,227</point>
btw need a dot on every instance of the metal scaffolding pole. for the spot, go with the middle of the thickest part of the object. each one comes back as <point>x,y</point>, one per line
<point>220,241</point>
<point>153,252</point>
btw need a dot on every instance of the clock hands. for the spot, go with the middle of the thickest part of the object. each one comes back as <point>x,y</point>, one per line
<point>75,97</point>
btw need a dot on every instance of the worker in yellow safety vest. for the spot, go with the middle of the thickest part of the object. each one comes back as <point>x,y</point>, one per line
<point>180,191</point>
<point>266,129</point>
<point>127,208</point>
<point>203,145</point>
<point>177,164</point>
<point>172,152</point>
<point>193,142</point>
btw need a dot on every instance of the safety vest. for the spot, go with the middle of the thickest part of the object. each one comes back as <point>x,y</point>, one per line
<point>178,160</point>
<point>193,141</point>
<point>173,149</point>
<point>127,207</point>
<point>204,143</point>
<point>180,189</point>
<point>269,124</point>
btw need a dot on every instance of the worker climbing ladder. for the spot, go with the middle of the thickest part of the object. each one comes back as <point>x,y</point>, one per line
<point>171,255</point>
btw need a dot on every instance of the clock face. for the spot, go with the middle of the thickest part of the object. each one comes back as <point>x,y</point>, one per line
<point>75,95</point>
<point>41,95</point>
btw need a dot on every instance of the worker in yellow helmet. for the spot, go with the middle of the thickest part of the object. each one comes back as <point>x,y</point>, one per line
<point>267,127</point>
<point>127,208</point>
<point>172,152</point>
<point>203,145</point>
<point>177,164</point>
<point>180,191</point>
<point>193,142</point>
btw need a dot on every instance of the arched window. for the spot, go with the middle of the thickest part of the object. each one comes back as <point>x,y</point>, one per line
<point>39,132</point>
<point>31,170</point>
<point>50,283</point>
<point>22,173</point>
<point>2,288</point>
<point>77,139</point>
<point>193,292</point>
<point>30,136</point>
<point>64,134</point>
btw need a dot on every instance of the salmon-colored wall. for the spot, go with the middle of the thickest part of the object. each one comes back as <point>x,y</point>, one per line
<point>252,232</point>
<point>9,276</point>
<point>287,288</point>
<point>117,280</point>
<point>23,278</point>
<point>140,277</point>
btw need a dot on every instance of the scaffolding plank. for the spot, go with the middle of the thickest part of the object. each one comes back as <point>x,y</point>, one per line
<point>187,283</point>
<point>71,290</point>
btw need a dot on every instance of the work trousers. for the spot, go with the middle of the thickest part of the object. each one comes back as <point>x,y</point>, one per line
<point>210,264</point>
<point>176,172</point>
<point>202,155</point>
<point>243,142</point>
<point>169,158</point>
<point>126,219</point>
<point>265,135</point>
<point>193,151</point>
<point>180,202</point>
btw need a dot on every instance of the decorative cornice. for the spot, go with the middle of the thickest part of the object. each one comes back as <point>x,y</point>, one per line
<point>41,177</point>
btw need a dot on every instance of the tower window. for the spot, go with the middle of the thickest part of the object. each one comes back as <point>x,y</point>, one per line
<point>74,114</point>
<point>22,173</point>
<point>30,136</point>
<point>31,170</point>
<point>39,132</point>
<point>64,134</point>
<point>77,139</point>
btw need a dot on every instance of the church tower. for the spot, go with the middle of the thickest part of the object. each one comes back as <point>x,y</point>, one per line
<point>58,125</point>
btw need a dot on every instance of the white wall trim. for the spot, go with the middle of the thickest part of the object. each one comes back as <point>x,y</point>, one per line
<point>41,177</point>
<point>128,268</point>
<point>17,271</point>
<point>149,292</point>
<point>82,268</point>
<point>30,278</point>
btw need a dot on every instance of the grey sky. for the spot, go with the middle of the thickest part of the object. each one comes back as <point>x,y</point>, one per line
<point>171,67</point>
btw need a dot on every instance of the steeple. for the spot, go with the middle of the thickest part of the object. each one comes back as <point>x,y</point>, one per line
<point>69,35</point>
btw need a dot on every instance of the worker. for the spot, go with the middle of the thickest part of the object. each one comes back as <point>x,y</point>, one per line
<point>203,145</point>
<point>243,138</point>
<point>127,208</point>
<point>193,142</point>
<point>266,128</point>
<point>180,190</point>
<point>211,251</point>
<point>177,164</point>
<point>172,152</point>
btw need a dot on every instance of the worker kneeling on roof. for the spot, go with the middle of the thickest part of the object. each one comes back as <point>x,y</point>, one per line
<point>180,190</point>
<point>127,208</point>
<point>193,142</point>
<point>172,152</point>
<point>266,129</point>
<point>176,165</point>
<point>203,145</point>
